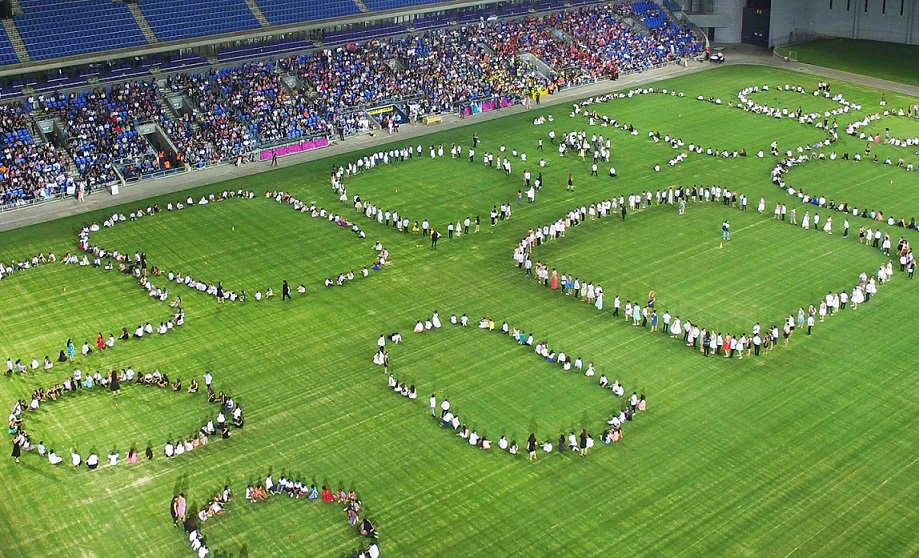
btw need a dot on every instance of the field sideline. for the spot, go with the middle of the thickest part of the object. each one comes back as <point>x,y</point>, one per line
<point>801,451</point>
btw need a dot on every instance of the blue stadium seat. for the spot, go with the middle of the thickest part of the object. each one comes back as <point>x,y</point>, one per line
<point>178,19</point>
<point>378,5</point>
<point>281,12</point>
<point>55,28</point>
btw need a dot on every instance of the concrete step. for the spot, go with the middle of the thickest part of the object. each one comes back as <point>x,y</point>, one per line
<point>142,22</point>
<point>16,39</point>
<point>257,12</point>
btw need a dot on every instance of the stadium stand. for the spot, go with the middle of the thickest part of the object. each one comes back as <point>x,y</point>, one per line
<point>7,53</point>
<point>101,126</point>
<point>284,12</point>
<point>27,170</point>
<point>651,14</point>
<point>380,5</point>
<point>673,6</point>
<point>179,19</point>
<point>231,111</point>
<point>57,28</point>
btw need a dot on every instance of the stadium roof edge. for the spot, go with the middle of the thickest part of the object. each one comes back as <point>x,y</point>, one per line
<point>41,66</point>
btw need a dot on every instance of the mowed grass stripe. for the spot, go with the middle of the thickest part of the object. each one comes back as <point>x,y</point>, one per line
<point>752,457</point>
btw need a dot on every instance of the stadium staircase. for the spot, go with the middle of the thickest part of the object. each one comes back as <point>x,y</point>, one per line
<point>16,39</point>
<point>142,22</point>
<point>257,12</point>
<point>364,8</point>
<point>16,7</point>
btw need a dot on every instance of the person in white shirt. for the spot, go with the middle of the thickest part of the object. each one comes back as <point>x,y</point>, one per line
<point>113,457</point>
<point>92,461</point>
<point>54,459</point>
<point>169,450</point>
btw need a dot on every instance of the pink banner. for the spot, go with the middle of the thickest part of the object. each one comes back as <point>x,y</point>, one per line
<point>266,154</point>
<point>487,105</point>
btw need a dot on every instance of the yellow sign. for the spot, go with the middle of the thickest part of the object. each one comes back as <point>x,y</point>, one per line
<point>380,110</point>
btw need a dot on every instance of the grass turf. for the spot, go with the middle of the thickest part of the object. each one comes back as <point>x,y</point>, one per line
<point>890,61</point>
<point>766,456</point>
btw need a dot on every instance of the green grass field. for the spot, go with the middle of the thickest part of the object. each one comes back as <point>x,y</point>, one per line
<point>890,61</point>
<point>804,451</point>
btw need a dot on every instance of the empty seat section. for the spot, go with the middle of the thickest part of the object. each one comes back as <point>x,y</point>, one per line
<point>56,28</point>
<point>7,53</point>
<point>180,19</point>
<point>377,5</point>
<point>281,12</point>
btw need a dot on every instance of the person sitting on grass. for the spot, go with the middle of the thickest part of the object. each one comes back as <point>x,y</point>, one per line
<point>53,458</point>
<point>177,385</point>
<point>368,529</point>
<point>193,386</point>
<point>327,495</point>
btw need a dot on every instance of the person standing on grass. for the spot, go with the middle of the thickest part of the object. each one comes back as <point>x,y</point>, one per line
<point>434,237</point>
<point>114,383</point>
<point>17,449</point>
<point>531,446</point>
<point>726,230</point>
<point>433,405</point>
<point>444,407</point>
<point>285,291</point>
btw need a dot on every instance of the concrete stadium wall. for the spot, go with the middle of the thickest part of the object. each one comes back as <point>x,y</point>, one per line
<point>877,20</point>
<point>730,16</point>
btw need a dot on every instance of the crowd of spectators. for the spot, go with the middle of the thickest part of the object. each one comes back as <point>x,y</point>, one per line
<point>27,170</point>
<point>100,127</point>
<point>237,109</point>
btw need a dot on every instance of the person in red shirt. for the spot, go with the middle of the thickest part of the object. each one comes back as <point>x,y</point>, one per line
<point>327,495</point>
